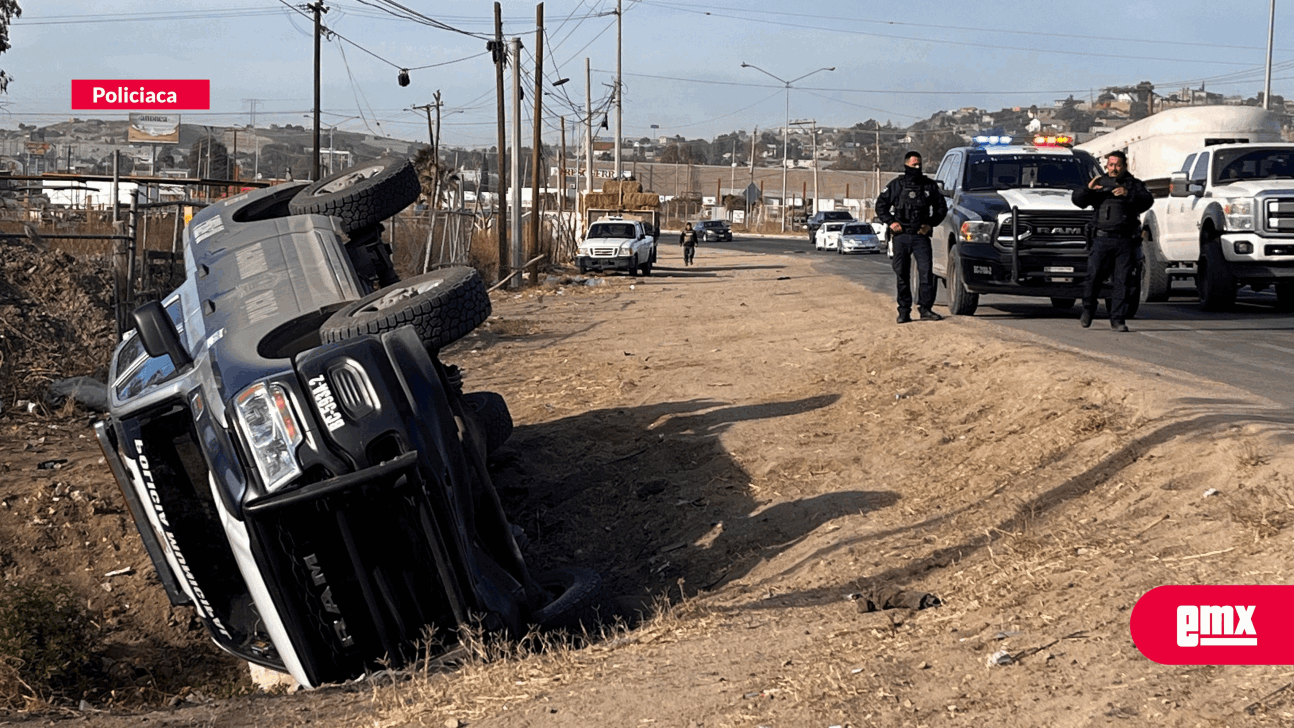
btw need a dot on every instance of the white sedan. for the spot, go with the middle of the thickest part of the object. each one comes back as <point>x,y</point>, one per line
<point>858,237</point>
<point>828,236</point>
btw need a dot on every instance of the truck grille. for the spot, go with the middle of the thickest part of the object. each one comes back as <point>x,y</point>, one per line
<point>352,560</point>
<point>604,252</point>
<point>1278,215</point>
<point>1049,229</point>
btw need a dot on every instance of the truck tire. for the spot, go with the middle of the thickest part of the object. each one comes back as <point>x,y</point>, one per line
<point>646,268</point>
<point>1214,281</point>
<point>961,302</point>
<point>577,593</point>
<point>361,196</point>
<point>443,306</point>
<point>1155,284</point>
<point>493,416</point>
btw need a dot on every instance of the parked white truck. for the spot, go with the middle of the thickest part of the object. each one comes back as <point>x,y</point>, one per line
<point>1222,192</point>
<point>1228,219</point>
<point>620,240</point>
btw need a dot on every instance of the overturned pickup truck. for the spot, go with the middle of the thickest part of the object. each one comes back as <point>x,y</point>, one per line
<point>303,468</point>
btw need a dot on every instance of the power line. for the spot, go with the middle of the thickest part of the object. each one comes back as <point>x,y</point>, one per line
<point>919,39</point>
<point>924,26</point>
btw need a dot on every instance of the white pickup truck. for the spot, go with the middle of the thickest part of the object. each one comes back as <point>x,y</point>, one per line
<point>618,242</point>
<point>1227,221</point>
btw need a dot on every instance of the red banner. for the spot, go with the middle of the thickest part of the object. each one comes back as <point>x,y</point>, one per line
<point>1215,625</point>
<point>142,95</point>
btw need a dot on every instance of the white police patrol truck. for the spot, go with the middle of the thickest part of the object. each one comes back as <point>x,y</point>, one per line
<point>1011,226</point>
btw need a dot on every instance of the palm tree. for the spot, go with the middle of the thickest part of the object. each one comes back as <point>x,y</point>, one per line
<point>436,180</point>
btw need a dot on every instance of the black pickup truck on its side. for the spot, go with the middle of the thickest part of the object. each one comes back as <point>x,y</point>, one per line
<point>303,468</point>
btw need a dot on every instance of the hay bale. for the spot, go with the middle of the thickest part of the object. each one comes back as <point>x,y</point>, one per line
<point>641,201</point>
<point>601,201</point>
<point>626,186</point>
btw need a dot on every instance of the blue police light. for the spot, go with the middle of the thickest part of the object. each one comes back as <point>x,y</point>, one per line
<point>994,140</point>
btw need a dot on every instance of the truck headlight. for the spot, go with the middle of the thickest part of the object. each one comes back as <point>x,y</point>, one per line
<point>977,231</point>
<point>1239,213</point>
<point>626,248</point>
<point>266,415</point>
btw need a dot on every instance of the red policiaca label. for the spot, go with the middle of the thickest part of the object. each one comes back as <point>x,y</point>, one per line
<point>1215,625</point>
<point>142,95</point>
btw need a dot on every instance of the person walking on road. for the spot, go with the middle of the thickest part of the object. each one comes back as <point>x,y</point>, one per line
<point>911,206</point>
<point>689,245</point>
<point>1117,200</point>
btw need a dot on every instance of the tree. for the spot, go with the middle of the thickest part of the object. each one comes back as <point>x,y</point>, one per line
<point>209,159</point>
<point>8,11</point>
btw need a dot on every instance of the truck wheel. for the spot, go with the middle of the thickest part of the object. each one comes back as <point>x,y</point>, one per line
<point>443,306</point>
<point>961,302</point>
<point>493,417</point>
<point>1285,296</point>
<point>1214,281</point>
<point>361,196</point>
<point>1062,304</point>
<point>646,268</point>
<point>1155,285</point>
<point>575,596</point>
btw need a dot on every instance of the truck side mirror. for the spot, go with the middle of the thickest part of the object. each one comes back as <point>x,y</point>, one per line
<point>1178,185</point>
<point>158,334</point>
<point>943,187</point>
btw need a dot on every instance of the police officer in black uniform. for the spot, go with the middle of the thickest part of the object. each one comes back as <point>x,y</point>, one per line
<point>1117,200</point>
<point>911,206</point>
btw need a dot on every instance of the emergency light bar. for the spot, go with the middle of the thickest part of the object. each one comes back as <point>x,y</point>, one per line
<point>1060,140</point>
<point>992,140</point>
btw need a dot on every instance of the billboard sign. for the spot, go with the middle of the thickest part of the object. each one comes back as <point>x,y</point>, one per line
<point>153,128</point>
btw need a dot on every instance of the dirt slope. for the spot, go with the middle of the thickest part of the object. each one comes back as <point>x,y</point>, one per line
<point>766,447</point>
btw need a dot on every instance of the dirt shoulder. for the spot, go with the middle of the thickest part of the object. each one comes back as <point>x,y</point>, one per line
<point>763,446</point>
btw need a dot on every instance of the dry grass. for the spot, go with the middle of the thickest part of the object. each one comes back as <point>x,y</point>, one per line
<point>485,674</point>
<point>1248,455</point>
<point>1259,511</point>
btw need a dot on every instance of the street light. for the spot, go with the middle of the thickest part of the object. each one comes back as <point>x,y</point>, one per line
<point>786,137</point>
<point>814,122</point>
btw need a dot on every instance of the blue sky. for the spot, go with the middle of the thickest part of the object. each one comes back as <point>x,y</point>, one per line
<point>682,61</point>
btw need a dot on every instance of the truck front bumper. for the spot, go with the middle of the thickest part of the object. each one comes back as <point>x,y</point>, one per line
<point>1043,273</point>
<point>589,262</point>
<point>1271,258</point>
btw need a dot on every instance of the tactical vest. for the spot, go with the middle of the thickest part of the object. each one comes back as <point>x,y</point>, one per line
<point>911,206</point>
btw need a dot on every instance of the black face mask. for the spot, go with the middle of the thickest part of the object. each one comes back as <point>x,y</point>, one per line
<point>912,171</point>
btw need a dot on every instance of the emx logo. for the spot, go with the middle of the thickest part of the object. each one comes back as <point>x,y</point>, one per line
<point>1215,625</point>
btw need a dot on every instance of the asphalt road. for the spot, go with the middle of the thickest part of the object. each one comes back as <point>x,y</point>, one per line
<point>1250,347</point>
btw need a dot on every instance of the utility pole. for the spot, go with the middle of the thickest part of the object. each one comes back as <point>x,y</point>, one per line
<point>561,173</point>
<point>620,111</point>
<point>1267,82</point>
<point>318,8</point>
<point>500,58</point>
<point>746,194</point>
<point>588,129</point>
<point>516,161</point>
<point>433,134</point>
<point>877,189</point>
<point>538,141</point>
<point>234,157</point>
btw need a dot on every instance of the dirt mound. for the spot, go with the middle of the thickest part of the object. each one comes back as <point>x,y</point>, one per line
<point>56,319</point>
